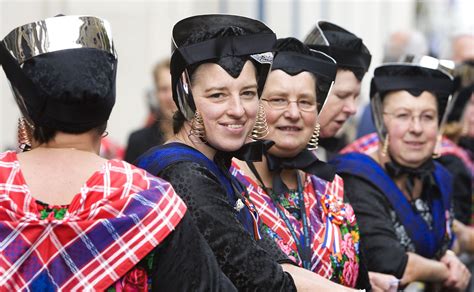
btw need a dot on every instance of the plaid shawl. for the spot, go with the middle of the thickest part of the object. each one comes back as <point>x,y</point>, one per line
<point>448,147</point>
<point>365,144</point>
<point>328,216</point>
<point>120,215</point>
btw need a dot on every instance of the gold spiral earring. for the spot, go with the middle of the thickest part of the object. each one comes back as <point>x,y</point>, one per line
<point>25,133</point>
<point>260,129</point>
<point>197,129</point>
<point>313,142</point>
<point>385,145</point>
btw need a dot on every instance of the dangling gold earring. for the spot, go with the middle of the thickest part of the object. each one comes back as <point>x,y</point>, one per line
<point>197,129</point>
<point>313,142</point>
<point>260,129</point>
<point>385,146</point>
<point>25,132</point>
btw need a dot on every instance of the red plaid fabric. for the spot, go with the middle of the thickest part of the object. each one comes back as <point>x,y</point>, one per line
<point>119,216</point>
<point>448,147</point>
<point>366,144</point>
<point>324,221</point>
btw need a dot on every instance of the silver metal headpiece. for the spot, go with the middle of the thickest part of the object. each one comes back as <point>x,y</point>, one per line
<point>59,33</point>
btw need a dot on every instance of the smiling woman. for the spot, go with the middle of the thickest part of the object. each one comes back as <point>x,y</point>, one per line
<point>402,198</point>
<point>219,66</point>
<point>298,197</point>
<point>228,106</point>
<point>218,70</point>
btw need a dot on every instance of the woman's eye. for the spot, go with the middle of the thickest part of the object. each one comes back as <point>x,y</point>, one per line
<point>216,95</point>
<point>428,117</point>
<point>278,100</point>
<point>305,102</point>
<point>249,93</point>
<point>402,116</point>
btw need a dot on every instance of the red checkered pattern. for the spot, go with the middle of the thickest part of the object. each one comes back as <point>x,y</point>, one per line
<point>320,261</point>
<point>366,144</point>
<point>135,210</point>
<point>448,147</point>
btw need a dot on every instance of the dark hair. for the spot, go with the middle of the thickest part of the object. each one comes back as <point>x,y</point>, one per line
<point>231,64</point>
<point>358,72</point>
<point>161,65</point>
<point>45,134</point>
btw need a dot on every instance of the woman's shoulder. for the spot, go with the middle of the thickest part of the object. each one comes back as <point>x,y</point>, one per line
<point>125,175</point>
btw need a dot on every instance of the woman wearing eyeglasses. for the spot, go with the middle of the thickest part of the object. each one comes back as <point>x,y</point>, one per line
<point>219,66</point>
<point>299,199</point>
<point>401,197</point>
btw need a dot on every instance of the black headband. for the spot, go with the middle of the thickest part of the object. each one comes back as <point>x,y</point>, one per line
<point>218,48</point>
<point>292,60</point>
<point>391,83</point>
<point>345,57</point>
<point>226,46</point>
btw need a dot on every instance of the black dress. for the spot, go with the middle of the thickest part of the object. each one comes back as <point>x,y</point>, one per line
<point>251,265</point>
<point>462,187</point>
<point>384,240</point>
<point>184,262</point>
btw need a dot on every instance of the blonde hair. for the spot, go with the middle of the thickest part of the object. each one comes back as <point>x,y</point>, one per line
<point>161,65</point>
<point>453,131</point>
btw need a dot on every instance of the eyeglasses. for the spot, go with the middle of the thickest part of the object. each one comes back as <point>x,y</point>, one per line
<point>405,118</point>
<point>282,103</point>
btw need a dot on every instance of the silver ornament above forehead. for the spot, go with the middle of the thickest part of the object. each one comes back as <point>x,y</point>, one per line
<point>59,33</point>
<point>389,83</point>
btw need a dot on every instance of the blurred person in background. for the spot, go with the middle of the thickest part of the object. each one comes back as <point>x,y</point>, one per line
<point>462,47</point>
<point>69,219</point>
<point>159,124</point>
<point>353,60</point>
<point>458,135</point>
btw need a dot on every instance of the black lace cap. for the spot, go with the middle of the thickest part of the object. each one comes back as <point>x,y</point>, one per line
<point>354,54</point>
<point>413,78</point>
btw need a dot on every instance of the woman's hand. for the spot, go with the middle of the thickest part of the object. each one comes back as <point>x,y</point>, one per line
<point>459,275</point>
<point>464,237</point>
<point>383,282</point>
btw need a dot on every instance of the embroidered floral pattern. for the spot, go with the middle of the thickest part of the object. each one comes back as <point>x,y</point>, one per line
<point>324,207</point>
<point>345,264</point>
<point>135,280</point>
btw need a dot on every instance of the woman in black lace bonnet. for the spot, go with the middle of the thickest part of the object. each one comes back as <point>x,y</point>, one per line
<point>218,67</point>
<point>401,197</point>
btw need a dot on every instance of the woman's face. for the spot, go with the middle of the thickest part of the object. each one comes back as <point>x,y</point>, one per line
<point>290,127</point>
<point>341,103</point>
<point>468,118</point>
<point>228,106</point>
<point>412,125</point>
